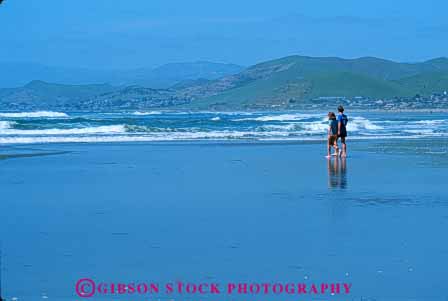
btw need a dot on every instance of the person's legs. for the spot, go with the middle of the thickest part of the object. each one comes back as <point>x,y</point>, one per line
<point>329,147</point>
<point>335,145</point>
<point>344,147</point>
<point>331,143</point>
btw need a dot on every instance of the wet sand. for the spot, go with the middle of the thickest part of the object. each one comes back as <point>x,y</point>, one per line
<point>227,212</point>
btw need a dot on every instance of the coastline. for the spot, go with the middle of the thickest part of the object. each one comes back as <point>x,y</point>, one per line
<point>274,110</point>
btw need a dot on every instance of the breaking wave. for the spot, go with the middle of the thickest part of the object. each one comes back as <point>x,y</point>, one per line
<point>112,129</point>
<point>17,128</point>
<point>38,114</point>
<point>138,113</point>
<point>282,117</point>
<point>5,125</point>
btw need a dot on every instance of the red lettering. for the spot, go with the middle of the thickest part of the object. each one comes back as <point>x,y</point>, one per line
<point>230,287</point>
<point>278,288</point>
<point>242,288</point>
<point>254,288</point>
<point>179,287</point>
<point>102,288</point>
<point>201,288</point>
<point>131,288</point>
<point>214,288</point>
<point>347,287</point>
<point>169,288</point>
<point>289,288</point>
<point>121,288</point>
<point>335,288</point>
<point>191,288</point>
<point>266,288</point>
<point>142,288</point>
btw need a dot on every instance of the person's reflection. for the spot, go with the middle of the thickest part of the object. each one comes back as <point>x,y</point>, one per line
<point>337,173</point>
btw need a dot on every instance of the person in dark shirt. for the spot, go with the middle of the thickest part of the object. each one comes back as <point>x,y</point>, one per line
<point>332,134</point>
<point>342,130</point>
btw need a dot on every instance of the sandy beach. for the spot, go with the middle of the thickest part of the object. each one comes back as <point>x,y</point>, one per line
<point>221,212</point>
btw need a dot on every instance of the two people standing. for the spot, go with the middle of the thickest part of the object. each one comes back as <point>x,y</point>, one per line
<point>337,128</point>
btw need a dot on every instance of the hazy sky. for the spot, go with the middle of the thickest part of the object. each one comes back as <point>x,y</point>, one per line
<point>142,33</point>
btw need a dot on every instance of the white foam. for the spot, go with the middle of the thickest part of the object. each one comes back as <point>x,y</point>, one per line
<point>5,125</point>
<point>420,131</point>
<point>219,113</point>
<point>109,129</point>
<point>137,113</point>
<point>320,127</point>
<point>217,136</point>
<point>279,127</point>
<point>431,122</point>
<point>360,123</point>
<point>285,127</point>
<point>315,127</point>
<point>426,133</point>
<point>153,136</point>
<point>37,114</point>
<point>282,117</point>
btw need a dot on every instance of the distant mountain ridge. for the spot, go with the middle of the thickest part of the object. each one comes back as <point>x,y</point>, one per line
<point>41,94</point>
<point>289,82</point>
<point>18,74</point>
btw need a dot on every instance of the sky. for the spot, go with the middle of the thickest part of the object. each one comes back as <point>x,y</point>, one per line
<point>105,34</point>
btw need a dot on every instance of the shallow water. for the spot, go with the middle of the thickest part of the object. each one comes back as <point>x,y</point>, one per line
<point>221,212</point>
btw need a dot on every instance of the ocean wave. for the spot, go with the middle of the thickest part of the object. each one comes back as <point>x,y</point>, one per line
<point>286,126</point>
<point>135,129</point>
<point>431,122</point>
<point>233,113</point>
<point>361,123</point>
<point>6,125</point>
<point>107,129</point>
<point>282,117</point>
<point>279,127</point>
<point>315,127</point>
<point>420,131</point>
<point>200,136</point>
<point>138,113</point>
<point>37,114</point>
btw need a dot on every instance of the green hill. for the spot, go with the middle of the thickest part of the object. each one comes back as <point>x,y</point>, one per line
<point>296,79</point>
<point>425,83</point>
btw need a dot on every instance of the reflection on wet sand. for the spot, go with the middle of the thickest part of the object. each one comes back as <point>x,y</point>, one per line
<point>337,173</point>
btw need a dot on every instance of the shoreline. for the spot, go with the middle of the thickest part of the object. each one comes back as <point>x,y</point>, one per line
<point>273,141</point>
<point>47,149</point>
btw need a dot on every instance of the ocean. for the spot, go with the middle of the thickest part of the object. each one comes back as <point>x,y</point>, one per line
<point>59,127</point>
